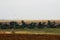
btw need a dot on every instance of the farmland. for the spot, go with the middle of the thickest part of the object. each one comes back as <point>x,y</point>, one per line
<point>29,37</point>
<point>30,34</point>
<point>32,31</point>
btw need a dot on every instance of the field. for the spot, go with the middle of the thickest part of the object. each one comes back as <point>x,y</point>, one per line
<point>30,34</point>
<point>32,31</point>
<point>29,37</point>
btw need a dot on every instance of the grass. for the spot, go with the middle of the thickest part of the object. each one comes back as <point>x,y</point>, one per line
<point>33,31</point>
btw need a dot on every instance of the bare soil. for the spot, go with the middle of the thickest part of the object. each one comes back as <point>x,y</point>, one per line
<point>29,37</point>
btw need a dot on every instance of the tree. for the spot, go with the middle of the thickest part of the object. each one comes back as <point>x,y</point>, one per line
<point>32,25</point>
<point>23,24</point>
<point>39,25</point>
<point>43,24</point>
<point>58,26</point>
<point>13,25</point>
<point>49,24</point>
<point>53,25</point>
<point>4,26</point>
<point>0,25</point>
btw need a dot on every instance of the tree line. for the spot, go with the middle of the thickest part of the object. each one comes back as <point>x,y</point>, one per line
<point>22,25</point>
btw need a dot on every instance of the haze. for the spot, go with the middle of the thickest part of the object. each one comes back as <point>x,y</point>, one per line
<point>30,9</point>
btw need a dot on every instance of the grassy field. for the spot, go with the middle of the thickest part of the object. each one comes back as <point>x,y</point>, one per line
<point>32,31</point>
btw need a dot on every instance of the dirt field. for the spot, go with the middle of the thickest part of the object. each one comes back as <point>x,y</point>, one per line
<point>29,37</point>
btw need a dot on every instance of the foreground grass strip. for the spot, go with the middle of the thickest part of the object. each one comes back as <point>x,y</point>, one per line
<point>54,31</point>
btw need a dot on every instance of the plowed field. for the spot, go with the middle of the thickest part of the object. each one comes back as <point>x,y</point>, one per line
<point>29,37</point>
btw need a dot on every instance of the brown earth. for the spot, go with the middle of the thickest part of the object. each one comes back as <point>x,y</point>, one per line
<point>29,37</point>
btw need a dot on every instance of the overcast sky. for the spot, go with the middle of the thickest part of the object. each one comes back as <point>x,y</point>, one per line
<point>29,9</point>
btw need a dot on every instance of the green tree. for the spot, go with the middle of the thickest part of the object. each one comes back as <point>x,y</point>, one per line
<point>14,25</point>
<point>49,24</point>
<point>32,25</point>
<point>39,25</point>
<point>23,24</point>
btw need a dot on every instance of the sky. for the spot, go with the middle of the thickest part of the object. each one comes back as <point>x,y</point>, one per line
<point>30,9</point>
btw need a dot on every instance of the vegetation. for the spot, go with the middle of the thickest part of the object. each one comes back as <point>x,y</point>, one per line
<point>22,25</point>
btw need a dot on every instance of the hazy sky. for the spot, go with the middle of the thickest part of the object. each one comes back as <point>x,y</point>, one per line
<point>29,9</point>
